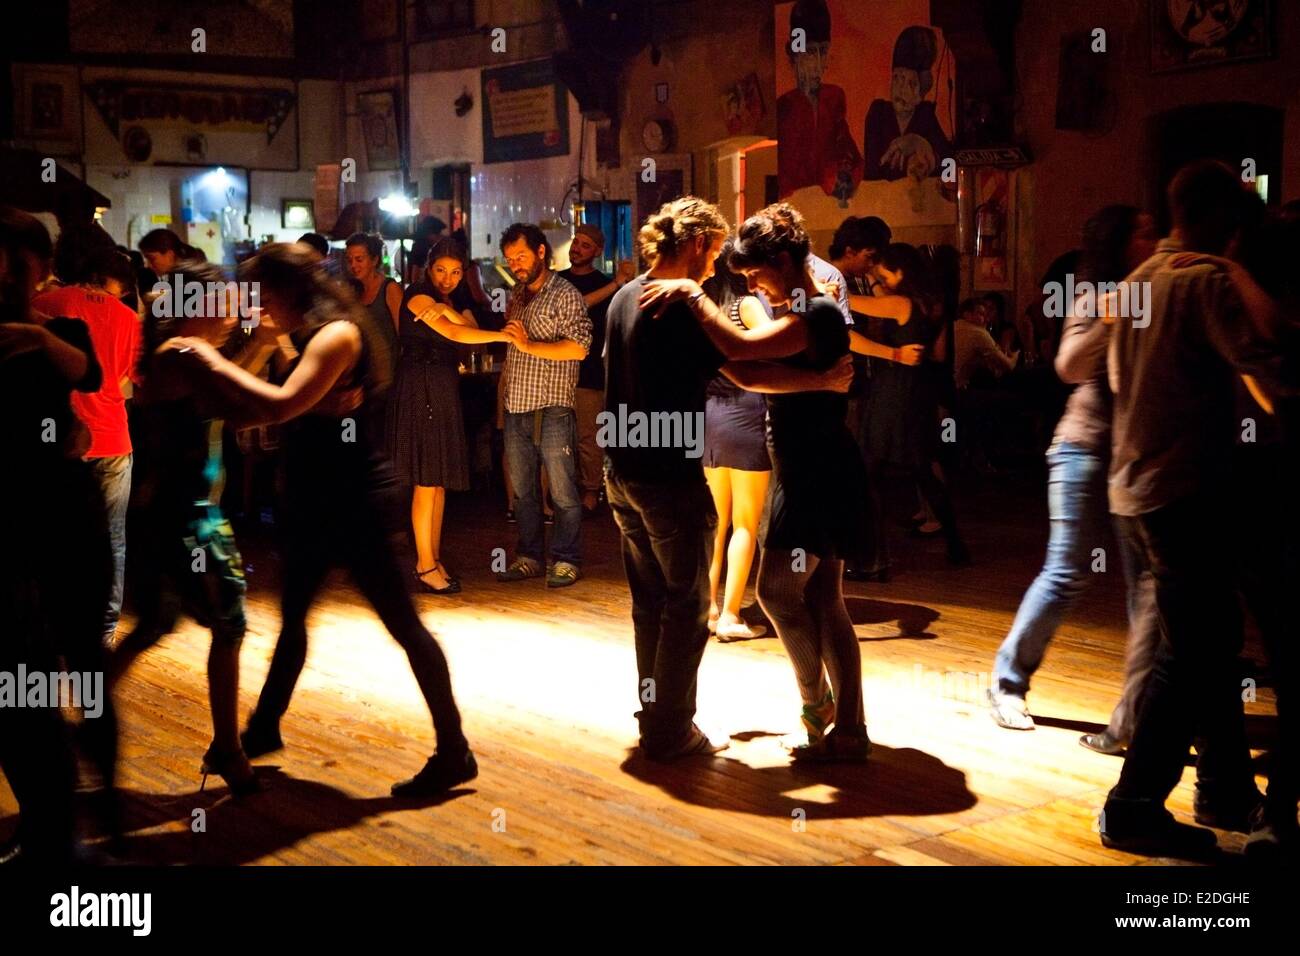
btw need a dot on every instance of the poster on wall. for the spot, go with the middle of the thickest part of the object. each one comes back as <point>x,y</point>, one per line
<point>1186,34</point>
<point>525,113</point>
<point>49,107</point>
<point>995,217</point>
<point>379,127</point>
<point>864,112</point>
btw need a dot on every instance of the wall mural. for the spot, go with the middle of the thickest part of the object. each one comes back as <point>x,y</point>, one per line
<point>864,112</point>
<point>1193,33</point>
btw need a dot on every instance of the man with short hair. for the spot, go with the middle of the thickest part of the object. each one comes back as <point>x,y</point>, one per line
<point>115,333</point>
<point>589,399</point>
<point>550,333</point>
<point>1172,374</point>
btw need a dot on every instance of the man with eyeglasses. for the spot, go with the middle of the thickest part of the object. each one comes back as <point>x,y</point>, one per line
<point>549,333</point>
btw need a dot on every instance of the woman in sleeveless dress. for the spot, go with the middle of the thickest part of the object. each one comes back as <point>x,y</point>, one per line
<point>899,426</point>
<point>736,463</point>
<point>426,428</point>
<point>340,501</point>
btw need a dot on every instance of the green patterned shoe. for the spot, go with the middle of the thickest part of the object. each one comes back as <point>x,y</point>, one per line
<point>817,717</point>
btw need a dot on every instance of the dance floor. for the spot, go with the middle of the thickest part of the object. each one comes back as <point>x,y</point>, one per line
<point>547,683</point>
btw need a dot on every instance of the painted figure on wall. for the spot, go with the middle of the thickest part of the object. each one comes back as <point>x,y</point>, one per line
<point>903,136</point>
<point>817,148</point>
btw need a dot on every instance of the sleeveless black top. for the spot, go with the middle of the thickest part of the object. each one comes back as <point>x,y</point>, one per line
<point>329,459</point>
<point>419,342</point>
<point>818,501</point>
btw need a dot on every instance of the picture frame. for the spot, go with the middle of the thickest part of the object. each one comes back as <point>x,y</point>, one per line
<point>995,229</point>
<point>297,214</point>
<point>48,114</point>
<point>378,113</point>
<point>1239,30</point>
<point>672,179</point>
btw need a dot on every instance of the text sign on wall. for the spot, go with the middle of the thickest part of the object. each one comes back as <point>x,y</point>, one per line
<point>219,107</point>
<point>525,113</point>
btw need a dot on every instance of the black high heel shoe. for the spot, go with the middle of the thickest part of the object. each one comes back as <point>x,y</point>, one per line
<point>453,585</point>
<point>453,576</point>
<point>224,764</point>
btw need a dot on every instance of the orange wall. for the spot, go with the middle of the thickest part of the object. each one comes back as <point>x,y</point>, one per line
<point>1074,174</point>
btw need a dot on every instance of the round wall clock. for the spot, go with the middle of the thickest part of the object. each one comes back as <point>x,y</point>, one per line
<point>658,135</point>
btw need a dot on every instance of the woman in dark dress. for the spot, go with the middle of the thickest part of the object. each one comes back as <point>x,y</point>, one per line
<point>340,493</point>
<point>818,517</point>
<point>736,463</point>
<point>899,426</point>
<point>426,429</point>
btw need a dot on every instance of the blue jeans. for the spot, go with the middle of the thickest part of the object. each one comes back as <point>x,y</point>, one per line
<point>546,437</point>
<point>114,477</point>
<point>1079,511</point>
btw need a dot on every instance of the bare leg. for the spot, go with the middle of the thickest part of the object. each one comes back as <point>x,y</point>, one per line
<point>720,488</point>
<point>748,492</point>
<point>424,506</point>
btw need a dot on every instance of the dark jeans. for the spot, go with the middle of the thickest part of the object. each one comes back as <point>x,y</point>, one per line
<point>360,535</point>
<point>1193,687</point>
<point>55,579</point>
<point>1143,633</point>
<point>1269,545</point>
<point>547,437</point>
<point>667,538</point>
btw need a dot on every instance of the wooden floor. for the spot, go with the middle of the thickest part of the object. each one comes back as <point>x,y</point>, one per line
<point>547,683</point>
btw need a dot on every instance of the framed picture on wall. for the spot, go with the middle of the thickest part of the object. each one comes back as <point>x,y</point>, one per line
<point>48,107</point>
<point>378,112</point>
<point>671,179</point>
<point>995,221</point>
<point>297,214</point>
<point>1186,34</point>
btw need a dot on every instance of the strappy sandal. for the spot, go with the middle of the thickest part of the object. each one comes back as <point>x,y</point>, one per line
<point>453,586</point>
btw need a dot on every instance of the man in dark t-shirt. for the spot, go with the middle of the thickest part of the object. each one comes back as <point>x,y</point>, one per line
<point>656,366</point>
<point>597,289</point>
<point>652,430</point>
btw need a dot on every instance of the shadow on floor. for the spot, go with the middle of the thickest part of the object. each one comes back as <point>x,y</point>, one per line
<point>242,831</point>
<point>895,782</point>
<point>913,620</point>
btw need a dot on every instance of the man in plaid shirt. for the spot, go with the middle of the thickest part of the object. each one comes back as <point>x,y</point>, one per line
<point>549,333</point>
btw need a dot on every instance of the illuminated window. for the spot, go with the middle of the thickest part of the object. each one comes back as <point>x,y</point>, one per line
<point>1261,186</point>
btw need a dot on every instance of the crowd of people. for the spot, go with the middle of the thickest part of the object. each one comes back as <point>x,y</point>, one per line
<point>816,379</point>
